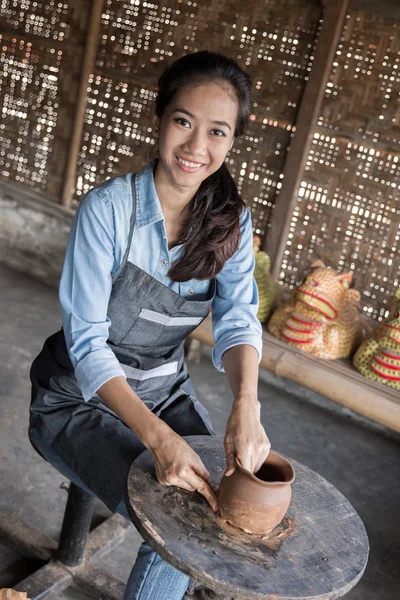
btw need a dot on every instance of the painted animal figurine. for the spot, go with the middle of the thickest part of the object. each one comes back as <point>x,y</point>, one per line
<point>265,283</point>
<point>379,357</point>
<point>322,316</point>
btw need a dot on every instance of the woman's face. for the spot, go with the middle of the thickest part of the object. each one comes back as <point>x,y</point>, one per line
<point>196,133</point>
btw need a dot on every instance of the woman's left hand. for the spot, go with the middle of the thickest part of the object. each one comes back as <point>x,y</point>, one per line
<point>245,438</point>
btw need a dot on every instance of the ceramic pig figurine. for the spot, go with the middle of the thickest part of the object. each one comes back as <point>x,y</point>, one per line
<point>322,316</point>
<point>379,357</point>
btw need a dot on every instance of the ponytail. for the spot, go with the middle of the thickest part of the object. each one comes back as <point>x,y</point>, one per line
<point>212,232</point>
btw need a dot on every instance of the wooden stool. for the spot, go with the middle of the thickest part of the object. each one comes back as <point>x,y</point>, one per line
<point>72,561</point>
<point>319,551</point>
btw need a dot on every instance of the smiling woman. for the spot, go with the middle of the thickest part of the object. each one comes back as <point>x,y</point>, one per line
<point>194,140</point>
<point>204,102</point>
<point>149,254</point>
<point>192,149</point>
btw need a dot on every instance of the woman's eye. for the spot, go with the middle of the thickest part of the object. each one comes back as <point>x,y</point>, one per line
<point>182,121</point>
<point>218,132</point>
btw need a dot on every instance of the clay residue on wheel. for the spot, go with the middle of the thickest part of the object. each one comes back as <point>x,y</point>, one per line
<point>210,530</point>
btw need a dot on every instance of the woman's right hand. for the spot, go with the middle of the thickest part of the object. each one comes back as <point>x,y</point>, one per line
<point>177,464</point>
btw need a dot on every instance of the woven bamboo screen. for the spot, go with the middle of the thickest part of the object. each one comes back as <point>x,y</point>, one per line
<point>348,211</point>
<point>41,46</point>
<point>272,39</point>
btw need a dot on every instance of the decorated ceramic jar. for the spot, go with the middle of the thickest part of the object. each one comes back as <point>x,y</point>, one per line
<point>379,357</point>
<point>322,315</point>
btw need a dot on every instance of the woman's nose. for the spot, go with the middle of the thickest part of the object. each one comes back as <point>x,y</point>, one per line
<point>196,143</point>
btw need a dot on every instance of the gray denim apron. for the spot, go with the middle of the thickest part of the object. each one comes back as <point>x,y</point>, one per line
<point>149,324</point>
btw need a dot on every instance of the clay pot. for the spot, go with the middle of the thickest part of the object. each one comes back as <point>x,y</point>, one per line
<point>257,503</point>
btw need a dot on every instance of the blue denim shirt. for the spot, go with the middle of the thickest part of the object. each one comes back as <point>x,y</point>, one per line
<point>95,250</point>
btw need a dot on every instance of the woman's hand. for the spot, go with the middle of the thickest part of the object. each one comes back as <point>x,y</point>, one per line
<point>245,437</point>
<point>177,464</point>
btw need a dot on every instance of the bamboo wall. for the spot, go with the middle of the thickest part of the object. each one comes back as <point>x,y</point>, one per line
<point>272,39</point>
<point>41,49</point>
<point>346,208</point>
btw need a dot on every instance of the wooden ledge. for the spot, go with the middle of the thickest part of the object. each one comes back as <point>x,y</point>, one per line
<point>335,379</point>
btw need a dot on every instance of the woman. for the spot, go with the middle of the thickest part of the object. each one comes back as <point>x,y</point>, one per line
<point>147,257</point>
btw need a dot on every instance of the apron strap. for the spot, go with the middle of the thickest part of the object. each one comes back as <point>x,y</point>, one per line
<point>131,228</point>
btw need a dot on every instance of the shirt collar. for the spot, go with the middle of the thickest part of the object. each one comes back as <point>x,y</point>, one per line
<point>148,207</point>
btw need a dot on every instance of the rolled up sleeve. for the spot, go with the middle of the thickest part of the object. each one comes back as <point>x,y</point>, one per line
<point>85,289</point>
<point>235,306</point>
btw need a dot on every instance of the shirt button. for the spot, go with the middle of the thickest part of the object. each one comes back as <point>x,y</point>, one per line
<point>191,291</point>
<point>163,262</point>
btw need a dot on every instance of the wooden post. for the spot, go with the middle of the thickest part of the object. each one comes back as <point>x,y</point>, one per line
<point>334,13</point>
<point>87,68</point>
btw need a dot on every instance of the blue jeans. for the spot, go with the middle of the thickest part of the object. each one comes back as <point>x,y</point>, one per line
<point>151,578</point>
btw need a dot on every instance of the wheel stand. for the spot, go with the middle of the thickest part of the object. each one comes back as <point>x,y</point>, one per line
<point>73,560</point>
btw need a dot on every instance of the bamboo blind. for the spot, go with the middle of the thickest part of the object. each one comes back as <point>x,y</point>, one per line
<point>271,39</point>
<point>41,47</point>
<point>347,207</point>
<point>347,210</point>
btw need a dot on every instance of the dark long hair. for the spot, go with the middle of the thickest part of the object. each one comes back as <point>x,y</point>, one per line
<point>212,232</point>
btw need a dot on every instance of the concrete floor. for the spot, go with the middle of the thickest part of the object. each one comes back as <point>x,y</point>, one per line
<point>359,458</point>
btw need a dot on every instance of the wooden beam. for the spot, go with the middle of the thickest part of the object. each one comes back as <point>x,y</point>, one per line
<point>334,12</point>
<point>87,68</point>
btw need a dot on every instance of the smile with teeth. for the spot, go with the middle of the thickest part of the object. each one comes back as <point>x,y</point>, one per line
<point>189,164</point>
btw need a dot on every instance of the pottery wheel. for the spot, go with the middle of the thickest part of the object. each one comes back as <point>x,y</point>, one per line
<point>319,551</point>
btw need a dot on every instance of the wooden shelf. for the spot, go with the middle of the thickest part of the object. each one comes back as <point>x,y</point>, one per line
<point>335,379</point>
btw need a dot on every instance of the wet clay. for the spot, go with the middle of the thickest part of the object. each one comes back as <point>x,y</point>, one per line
<point>257,503</point>
<point>228,540</point>
<point>273,539</point>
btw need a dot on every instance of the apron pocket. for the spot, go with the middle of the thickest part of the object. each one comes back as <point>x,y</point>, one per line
<point>152,327</point>
<point>141,333</point>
